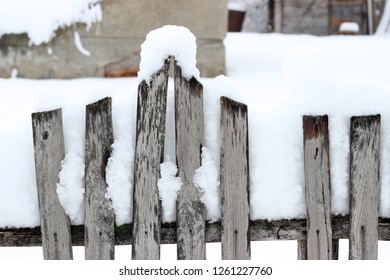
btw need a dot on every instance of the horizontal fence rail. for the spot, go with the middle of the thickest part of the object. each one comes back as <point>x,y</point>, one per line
<point>259,230</point>
<point>317,235</point>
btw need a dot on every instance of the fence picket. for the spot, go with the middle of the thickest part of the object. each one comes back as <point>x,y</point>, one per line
<point>191,227</point>
<point>364,187</point>
<point>234,180</point>
<point>49,151</point>
<point>99,216</point>
<point>317,185</point>
<point>149,153</point>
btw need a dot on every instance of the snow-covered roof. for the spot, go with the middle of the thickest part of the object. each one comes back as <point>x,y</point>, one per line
<point>41,18</point>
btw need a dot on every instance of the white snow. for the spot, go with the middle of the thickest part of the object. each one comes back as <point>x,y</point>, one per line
<point>207,180</point>
<point>169,40</point>
<point>79,44</point>
<point>118,173</point>
<point>280,78</point>
<point>168,186</point>
<point>237,6</point>
<point>349,27</point>
<point>14,73</point>
<point>41,18</point>
<point>70,189</point>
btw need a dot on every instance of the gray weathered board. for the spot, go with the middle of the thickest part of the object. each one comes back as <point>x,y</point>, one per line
<point>190,216</point>
<point>364,184</point>
<point>317,187</point>
<point>149,154</point>
<point>49,151</point>
<point>99,215</point>
<point>234,180</point>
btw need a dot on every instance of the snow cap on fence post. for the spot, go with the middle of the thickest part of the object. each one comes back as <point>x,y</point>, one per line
<point>161,43</point>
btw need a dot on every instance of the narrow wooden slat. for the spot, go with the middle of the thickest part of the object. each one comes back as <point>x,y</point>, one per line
<point>149,153</point>
<point>190,216</point>
<point>364,187</point>
<point>234,180</point>
<point>49,151</point>
<point>99,215</point>
<point>317,187</point>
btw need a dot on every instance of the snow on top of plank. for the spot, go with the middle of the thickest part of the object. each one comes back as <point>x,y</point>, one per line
<point>161,43</point>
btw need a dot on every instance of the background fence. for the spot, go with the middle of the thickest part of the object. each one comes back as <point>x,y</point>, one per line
<point>317,235</point>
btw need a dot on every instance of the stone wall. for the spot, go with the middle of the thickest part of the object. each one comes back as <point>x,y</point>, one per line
<point>116,40</point>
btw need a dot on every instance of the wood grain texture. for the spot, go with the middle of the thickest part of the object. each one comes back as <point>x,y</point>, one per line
<point>191,212</point>
<point>260,230</point>
<point>99,215</point>
<point>317,187</point>
<point>49,151</point>
<point>364,187</point>
<point>234,180</point>
<point>149,153</point>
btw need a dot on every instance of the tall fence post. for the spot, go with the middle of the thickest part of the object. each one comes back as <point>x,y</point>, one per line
<point>149,154</point>
<point>364,187</point>
<point>234,180</point>
<point>99,215</point>
<point>191,213</point>
<point>49,151</point>
<point>317,187</point>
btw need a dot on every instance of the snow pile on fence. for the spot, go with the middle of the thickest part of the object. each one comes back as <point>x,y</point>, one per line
<point>169,40</point>
<point>40,19</point>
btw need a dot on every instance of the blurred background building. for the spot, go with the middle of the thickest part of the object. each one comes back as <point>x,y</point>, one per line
<point>111,47</point>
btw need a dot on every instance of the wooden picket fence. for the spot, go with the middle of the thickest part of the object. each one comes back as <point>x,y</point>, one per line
<point>317,235</point>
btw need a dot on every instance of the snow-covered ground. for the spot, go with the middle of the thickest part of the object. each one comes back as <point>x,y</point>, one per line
<point>280,77</point>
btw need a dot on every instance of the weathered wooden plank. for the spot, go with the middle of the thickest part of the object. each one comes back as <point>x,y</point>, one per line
<point>49,151</point>
<point>260,230</point>
<point>191,212</point>
<point>364,187</point>
<point>317,187</point>
<point>99,215</point>
<point>234,180</point>
<point>149,153</point>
